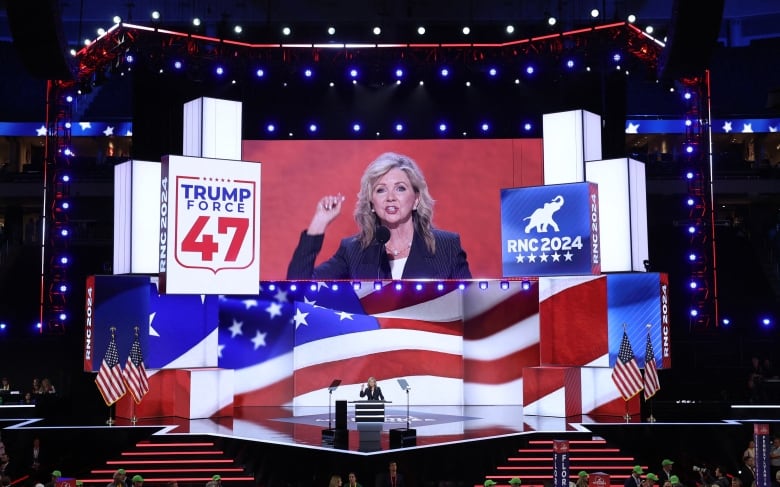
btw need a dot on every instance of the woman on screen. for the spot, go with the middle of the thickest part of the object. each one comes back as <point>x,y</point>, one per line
<point>371,391</point>
<point>395,238</point>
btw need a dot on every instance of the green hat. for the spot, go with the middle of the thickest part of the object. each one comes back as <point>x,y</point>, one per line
<point>121,471</point>
<point>216,477</point>
<point>667,462</point>
<point>515,481</point>
<point>79,482</point>
<point>489,483</point>
<point>638,469</point>
<point>652,476</point>
<point>56,473</point>
<point>582,473</point>
<point>674,479</point>
<point>138,478</point>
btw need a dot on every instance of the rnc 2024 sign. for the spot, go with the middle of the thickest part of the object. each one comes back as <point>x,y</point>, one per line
<point>209,226</point>
<point>550,230</point>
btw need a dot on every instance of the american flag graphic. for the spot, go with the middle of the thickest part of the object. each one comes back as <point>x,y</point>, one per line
<point>651,383</point>
<point>288,344</point>
<point>109,377</point>
<point>626,374</point>
<point>135,373</point>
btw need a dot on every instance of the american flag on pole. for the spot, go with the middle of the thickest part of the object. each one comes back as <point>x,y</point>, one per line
<point>109,377</point>
<point>626,374</point>
<point>135,372</point>
<point>651,372</point>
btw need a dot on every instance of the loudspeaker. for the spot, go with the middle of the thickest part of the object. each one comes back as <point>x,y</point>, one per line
<point>36,29</point>
<point>403,437</point>
<point>336,438</point>
<point>341,415</point>
<point>692,35</point>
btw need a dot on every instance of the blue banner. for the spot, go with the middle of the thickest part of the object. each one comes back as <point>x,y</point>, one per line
<point>560,463</point>
<point>763,447</point>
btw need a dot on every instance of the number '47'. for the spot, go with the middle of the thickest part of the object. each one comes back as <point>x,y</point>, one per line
<point>196,241</point>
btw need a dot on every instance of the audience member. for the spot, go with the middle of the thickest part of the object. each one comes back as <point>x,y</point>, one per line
<point>747,473</point>
<point>138,481</point>
<point>120,477</point>
<point>47,387</point>
<point>635,479</point>
<point>335,481</point>
<point>774,456</point>
<point>216,481</point>
<point>6,470</point>
<point>5,385</point>
<point>36,459</point>
<point>55,475</point>
<point>750,451</point>
<point>391,478</point>
<point>515,481</point>
<point>650,479</point>
<point>352,480</point>
<point>666,470</point>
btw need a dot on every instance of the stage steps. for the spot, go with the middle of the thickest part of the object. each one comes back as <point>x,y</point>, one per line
<point>533,464</point>
<point>189,460</point>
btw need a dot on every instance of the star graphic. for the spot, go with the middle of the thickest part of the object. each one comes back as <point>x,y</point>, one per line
<point>747,128</point>
<point>109,131</point>
<point>41,131</point>
<point>772,128</point>
<point>543,257</point>
<point>556,257</point>
<point>632,128</point>
<point>129,133</point>
<point>343,315</point>
<point>219,350</point>
<point>567,257</point>
<point>249,303</point>
<point>727,127</point>
<point>85,125</point>
<point>235,329</point>
<point>259,339</point>
<point>309,301</point>
<point>281,296</point>
<point>532,258</point>
<point>520,259</point>
<point>274,309</point>
<point>300,318</point>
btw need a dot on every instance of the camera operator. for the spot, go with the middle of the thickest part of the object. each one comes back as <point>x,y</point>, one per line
<point>717,478</point>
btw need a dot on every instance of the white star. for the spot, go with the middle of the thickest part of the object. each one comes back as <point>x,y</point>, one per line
<point>259,340</point>
<point>532,258</point>
<point>85,125</point>
<point>727,127</point>
<point>632,128</point>
<point>235,329</point>
<point>556,257</point>
<point>41,131</point>
<point>321,285</point>
<point>343,315</point>
<point>567,256</point>
<point>274,309</point>
<point>152,331</point>
<point>219,350</point>
<point>249,303</point>
<point>300,318</point>
<point>109,131</point>
<point>772,129</point>
<point>747,128</point>
<point>309,301</point>
<point>520,259</point>
<point>543,257</point>
<point>129,133</point>
<point>281,296</point>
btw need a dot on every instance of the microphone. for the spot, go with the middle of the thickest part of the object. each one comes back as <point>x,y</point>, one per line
<point>382,236</point>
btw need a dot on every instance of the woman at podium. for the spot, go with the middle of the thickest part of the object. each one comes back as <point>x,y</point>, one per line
<point>371,391</point>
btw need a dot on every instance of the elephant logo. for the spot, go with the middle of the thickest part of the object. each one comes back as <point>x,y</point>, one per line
<point>542,217</point>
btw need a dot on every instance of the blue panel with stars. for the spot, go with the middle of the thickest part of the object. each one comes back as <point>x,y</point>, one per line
<point>550,230</point>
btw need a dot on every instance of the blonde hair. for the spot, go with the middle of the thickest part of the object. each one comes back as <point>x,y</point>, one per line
<point>422,216</point>
<point>335,481</point>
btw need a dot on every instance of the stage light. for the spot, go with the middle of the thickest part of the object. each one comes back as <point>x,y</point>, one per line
<point>356,285</point>
<point>331,84</point>
<point>377,285</point>
<point>73,52</point>
<point>694,312</point>
<point>551,21</point>
<point>334,286</point>
<point>270,128</point>
<point>485,127</point>
<point>64,232</point>
<point>688,123</point>
<point>693,285</point>
<point>3,325</point>
<point>461,286</point>
<point>525,285</point>
<point>442,127</point>
<point>196,22</point>
<point>313,286</point>
<point>353,73</point>
<point>527,127</point>
<point>726,321</point>
<point>65,178</point>
<point>87,42</point>
<point>617,57</point>
<point>64,260</point>
<point>594,13</point>
<point>312,127</point>
<point>129,58</point>
<point>418,286</point>
<point>689,149</point>
<point>63,317</point>
<point>444,72</point>
<point>63,288</point>
<point>483,285</point>
<point>692,257</point>
<point>219,70</point>
<point>272,287</point>
<point>286,31</point>
<point>238,29</point>
<point>155,15</point>
<point>631,18</point>
<point>177,64</point>
<point>117,19</point>
<point>691,229</point>
<point>65,205</point>
<point>101,31</point>
<point>510,29</point>
<point>529,69</point>
<point>421,30</point>
<point>398,286</point>
<point>260,72</point>
<point>649,29</point>
<point>68,125</point>
<point>399,127</point>
<point>38,325</point>
<point>356,127</point>
<point>440,287</point>
<point>492,71</point>
<point>689,175</point>
<point>504,285</point>
<point>466,31</point>
<point>399,73</point>
<point>468,84</point>
<point>766,321</point>
<point>377,30</point>
<point>308,73</point>
<point>691,202</point>
<point>293,287</point>
<point>331,30</point>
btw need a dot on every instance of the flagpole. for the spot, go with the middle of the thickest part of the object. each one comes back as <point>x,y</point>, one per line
<point>627,417</point>
<point>110,421</point>
<point>133,419</point>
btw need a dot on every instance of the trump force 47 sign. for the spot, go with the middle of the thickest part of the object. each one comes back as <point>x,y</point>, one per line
<point>209,226</point>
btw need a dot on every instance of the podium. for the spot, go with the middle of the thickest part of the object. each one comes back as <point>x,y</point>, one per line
<point>370,418</point>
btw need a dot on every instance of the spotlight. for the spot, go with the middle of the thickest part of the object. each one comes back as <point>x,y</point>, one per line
<point>377,30</point>
<point>331,31</point>
<point>117,19</point>
<point>492,71</point>
<point>238,29</point>
<point>483,285</point>
<point>421,30</point>
<point>63,288</point>
<point>726,321</point>
<point>594,13</point>
<point>220,70</point>
<point>689,175</point>
<point>444,72</point>
<point>399,127</point>
<point>196,22</point>
<point>270,128</point>
<point>177,64</point>
<point>504,285</point>
<point>293,287</point>
<point>440,287</point>
<point>570,63</point>
<point>313,286</point>
<point>308,73</point>
<point>485,127</point>
<point>466,31</point>
<point>525,285</point>
<point>286,31</point>
<point>312,127</point>
<point>529,70</point>
<point>510,29</point>
<point>551,21</point>
<point>398,286</point>
<point>418,286</point>
<point>442,127</point>
<point>694,312</point>
<point>692,257</point>
<point>766,321</point>
<point>631,18</point>
<point>155,15</point>
<point>356,127</point>
<point>527,127</point>
<point>353,73</point>
<point>63,317</point>
<point>356,285</point>
<point>377,285</point>
<point>260,73</point>
<point>399,73</point>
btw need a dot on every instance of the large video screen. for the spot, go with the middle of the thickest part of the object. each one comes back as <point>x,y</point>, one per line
<point>465,178</point>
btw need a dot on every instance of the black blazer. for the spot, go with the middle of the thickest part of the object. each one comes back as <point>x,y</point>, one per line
<point>353,262</point>
<point>375,395</point>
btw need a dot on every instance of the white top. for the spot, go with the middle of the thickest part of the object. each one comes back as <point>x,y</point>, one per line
<point>397,267</point>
